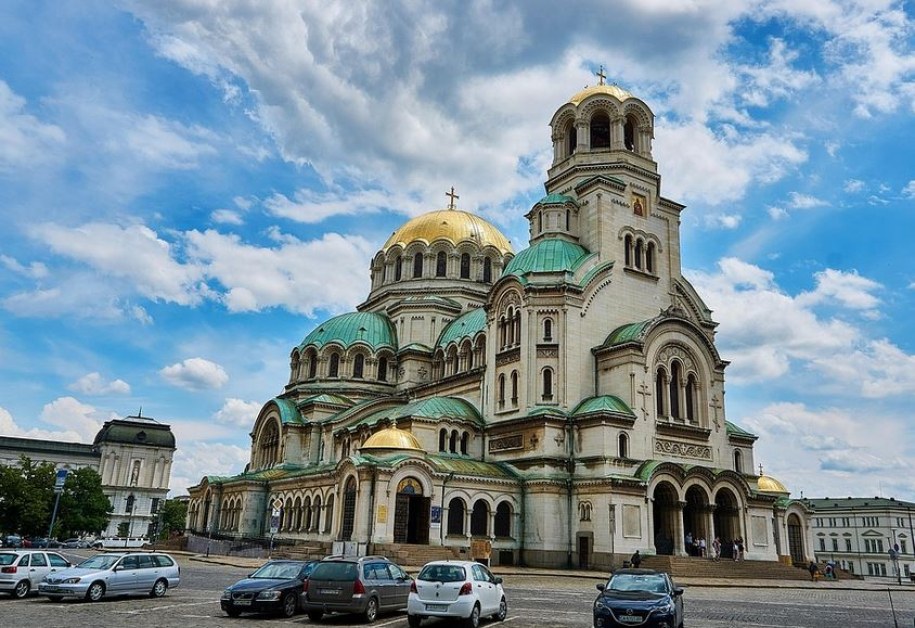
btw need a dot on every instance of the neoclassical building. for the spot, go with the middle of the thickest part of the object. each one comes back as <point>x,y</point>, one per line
<point>563,404</point>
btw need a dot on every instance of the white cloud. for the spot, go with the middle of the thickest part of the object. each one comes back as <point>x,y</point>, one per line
<point>853,186</point>
<point>723,221</point>
<point>777,213</point>
<point>848,289</point>
<point>35,270</point>
<point>238,413</point>
<point>94,384</point>
<point>195,374</point>
<point>195,459</point>
<point>227,217</point>
<point>25,141</point>
<point>164,143</point>
<point>778,79</point>
<point>796,200</point>
<point>78,422</point>
<point>909,190</point>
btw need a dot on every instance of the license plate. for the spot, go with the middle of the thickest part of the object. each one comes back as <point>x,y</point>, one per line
<point>328,592</point>
<point>437,607</point>
<point>630,619</point>
<point>242,602</point>
<point>52,590</point>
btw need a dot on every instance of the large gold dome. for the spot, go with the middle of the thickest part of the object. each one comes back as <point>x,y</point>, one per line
<point>391,438</point>
<point>452,225</point>
<point>768,484</point>
<point>613,90</point>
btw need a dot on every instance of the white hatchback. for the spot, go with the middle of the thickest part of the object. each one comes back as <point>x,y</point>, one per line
<point>456,589</point>
<point>22,570</point>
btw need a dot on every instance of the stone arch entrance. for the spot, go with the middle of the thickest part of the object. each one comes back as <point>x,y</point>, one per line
<point>411,513</point>
<point>796,540</point>
<point>726,520</point>
<point>665,514</point>
<point>695,517</point>
<point>348,519</point>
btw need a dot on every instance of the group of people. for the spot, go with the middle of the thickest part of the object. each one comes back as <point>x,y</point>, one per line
<point>697,547</point>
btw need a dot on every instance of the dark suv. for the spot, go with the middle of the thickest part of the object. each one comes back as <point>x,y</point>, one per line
<point>366,585</point>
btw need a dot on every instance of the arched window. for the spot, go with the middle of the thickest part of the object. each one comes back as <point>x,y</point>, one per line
<point>638,253</point>
<point>568,220</point>
<point>441,264</point>
<point>623,446</point>
<point>691,388</point>
<point>501,390</point>
<point>455,362</point>
<point>452,444</point>
<point>465,266</point>
<point>487,270</point>
<point>518,327</point>
<point>316,521</point>
<point>547,330</point>
<point>660,386</point>
<point>442,438</point>
<point>738,461</point>
<point>502,526</point>
<point>349,509</point>
<point>674,387</point>
<point>294,367</point>
<point>465,437</point>
<point>479,519</point>
<point>627,243</point>
<point>540,222</point>
<point>334,370</point>
<point>417,265</point>
<point>456,516</point>
<point>382,369</point>
<point>312,365</point>
<point>502,332</point>
<point>358,366</point>
<point>629,135</point>
<point>308,514</point>
<point>600,130</point>
<point>649,257</point>
<point>329,519</point>
<point>514,388</point>
<point>511,327</point>
<point>572,134</point>
<point>398,268</point>
<point>547,384</point>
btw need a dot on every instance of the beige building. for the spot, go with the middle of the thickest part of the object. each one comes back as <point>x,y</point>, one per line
<point>562,404</point>
<point>132,455</point>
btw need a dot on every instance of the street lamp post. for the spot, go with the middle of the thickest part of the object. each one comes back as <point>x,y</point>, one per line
<point>130,502</point>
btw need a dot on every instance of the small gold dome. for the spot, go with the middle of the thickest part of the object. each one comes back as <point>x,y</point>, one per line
<point>452,225</point>
<point>391,438</point>
<point>613,90</point>
<point>768,484</point>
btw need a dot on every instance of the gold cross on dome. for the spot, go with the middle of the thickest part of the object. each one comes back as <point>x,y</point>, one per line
<point>760,468</point>
<point>453,196</point>
<point>600,75</point>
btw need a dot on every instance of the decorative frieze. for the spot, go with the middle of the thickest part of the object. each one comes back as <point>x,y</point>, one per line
<point>547,352</point>
<point>682,450</point>
<point>507,357</point>
<point>503,443</point>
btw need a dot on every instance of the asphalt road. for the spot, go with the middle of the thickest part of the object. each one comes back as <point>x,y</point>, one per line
<point>534,601</point>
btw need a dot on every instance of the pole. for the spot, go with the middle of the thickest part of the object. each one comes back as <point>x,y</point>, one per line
<point>54,514</point>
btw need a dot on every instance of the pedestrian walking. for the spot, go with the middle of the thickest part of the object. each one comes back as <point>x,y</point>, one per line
<point>636,559</point>
<point>813,569</point>
<point>734,549</point>
<point>716,549</point>
<point>702,547</point>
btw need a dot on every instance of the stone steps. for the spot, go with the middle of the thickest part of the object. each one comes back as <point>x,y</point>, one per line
<point>416,555</point>
<point>681,566</point>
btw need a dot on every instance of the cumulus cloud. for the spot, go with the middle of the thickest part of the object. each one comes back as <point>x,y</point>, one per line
<point>35,270</point>
<point>909,190</point>
<point>238,413</point>
<point>25,141</point>
<point>75,421</point>
<point>195,374</point>
<point>853,186</point>
<point>195,459</point>
<point>94,384</point>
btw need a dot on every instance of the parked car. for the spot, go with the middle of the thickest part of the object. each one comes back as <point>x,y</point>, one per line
<point>642,597</point>
<point>274,588</point>
<point>75,544</point>
<point>366,585</point>
<point>39,542</point>
<point>21,571</point>
<point>12,540</point>
<point>129,573</point>
<point>457,589</point>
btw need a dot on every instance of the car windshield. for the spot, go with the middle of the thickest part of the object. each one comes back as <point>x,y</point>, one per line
<point>8,559</point>
<point>102,561</point>
<point>443,573</point>
<point>283,571</point>
<point>638,582</point>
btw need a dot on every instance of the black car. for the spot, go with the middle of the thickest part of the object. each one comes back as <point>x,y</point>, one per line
<point>639,597</point>
<point>273,588</point>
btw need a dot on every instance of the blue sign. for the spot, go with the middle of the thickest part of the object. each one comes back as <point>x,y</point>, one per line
<point>61,479</point>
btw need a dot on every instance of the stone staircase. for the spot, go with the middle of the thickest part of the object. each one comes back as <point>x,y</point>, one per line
<point>417,555</point>
<point>683,566</point>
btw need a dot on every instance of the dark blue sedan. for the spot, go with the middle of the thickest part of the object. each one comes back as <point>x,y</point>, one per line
<point>639,597</point>
<point>273,588</point>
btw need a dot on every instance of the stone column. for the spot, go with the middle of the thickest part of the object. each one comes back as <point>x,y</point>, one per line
<point>679,532</point>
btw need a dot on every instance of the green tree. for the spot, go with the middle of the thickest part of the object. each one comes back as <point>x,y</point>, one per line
<point>123,529</point>
<point>173,514</point>
<point>26,497</point>
<point>83,506</point>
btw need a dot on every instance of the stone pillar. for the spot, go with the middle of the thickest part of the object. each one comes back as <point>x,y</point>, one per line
<point>583,136</point>
<point>679,531</point>
<point>616,133</point>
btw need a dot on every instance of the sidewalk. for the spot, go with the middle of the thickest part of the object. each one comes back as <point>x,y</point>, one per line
<point>598,576</point>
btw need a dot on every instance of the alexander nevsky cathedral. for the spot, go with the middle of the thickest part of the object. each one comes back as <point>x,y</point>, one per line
<point>560,405</point>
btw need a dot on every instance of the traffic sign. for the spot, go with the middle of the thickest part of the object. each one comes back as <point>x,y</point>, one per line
<point>60,480</point>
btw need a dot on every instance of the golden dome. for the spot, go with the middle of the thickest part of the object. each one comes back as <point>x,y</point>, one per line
<point>391,438</point>
<point>768,484</point>
<point>613,90</point>
<point>452,225</point>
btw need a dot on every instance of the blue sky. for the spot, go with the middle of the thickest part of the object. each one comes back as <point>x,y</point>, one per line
<point>189,186</point>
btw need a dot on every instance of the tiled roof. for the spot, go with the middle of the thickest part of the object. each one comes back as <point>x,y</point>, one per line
<point>370,328</point>
<point>466,325</point>
<point>547,256</point>
<point>603,403</point>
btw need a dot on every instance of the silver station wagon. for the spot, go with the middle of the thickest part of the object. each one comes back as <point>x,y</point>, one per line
<point>133,573</point>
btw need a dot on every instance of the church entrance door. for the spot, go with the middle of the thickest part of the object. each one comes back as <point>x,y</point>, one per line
<point>349,510</point>
<point>795,540</point>
<point>665,515</point>
<point>411,513</point>
<point>726,520</point>
<point>695,518</point>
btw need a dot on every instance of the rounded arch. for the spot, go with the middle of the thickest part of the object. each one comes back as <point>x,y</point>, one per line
<point>726,519</point>
<point>502,523</point>
<point>695,519</point>
<point>479,518</point>
<point>457,509</point>
<point>665,515</point>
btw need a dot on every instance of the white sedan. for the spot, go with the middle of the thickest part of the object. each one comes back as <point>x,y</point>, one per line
<point>456,589</point>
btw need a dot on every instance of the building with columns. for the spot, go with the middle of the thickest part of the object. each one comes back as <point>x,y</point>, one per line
<point>563,404</point>
<point>132,455</point>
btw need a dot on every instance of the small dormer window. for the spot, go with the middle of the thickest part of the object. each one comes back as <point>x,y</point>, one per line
<point>440,264</point>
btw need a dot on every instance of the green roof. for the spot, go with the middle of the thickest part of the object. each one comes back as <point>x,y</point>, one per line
<point>546,411</point>
<point>466,325</point>
<point>628,332</point>
<point>734,430</point>
<point>370,328</point>
<point>603,403</point>
<point>289,413</point>
<point>463,466</point>
<point>547,256</point>
<point>430,408</point>
<point>329,398</point>
<point>136,430</point>
<point>556,199</point>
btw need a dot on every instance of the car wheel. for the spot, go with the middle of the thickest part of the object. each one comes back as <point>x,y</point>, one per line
<point>315,615</point>
<point>233,612</point>
<point>95,592</point>
<point>290,605</point>
<point>474,620</point>
<point>371,610</point>
<point>503,611</point>
<point>22,589</point>
<point>159,588</point>
<point>414,620</point>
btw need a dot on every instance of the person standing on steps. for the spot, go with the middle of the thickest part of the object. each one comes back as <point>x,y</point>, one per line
<point>636,559</point>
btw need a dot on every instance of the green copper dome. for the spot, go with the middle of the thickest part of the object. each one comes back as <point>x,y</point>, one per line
<point>369,328</point>
<point>547,256</point>
<point>466,325</point>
